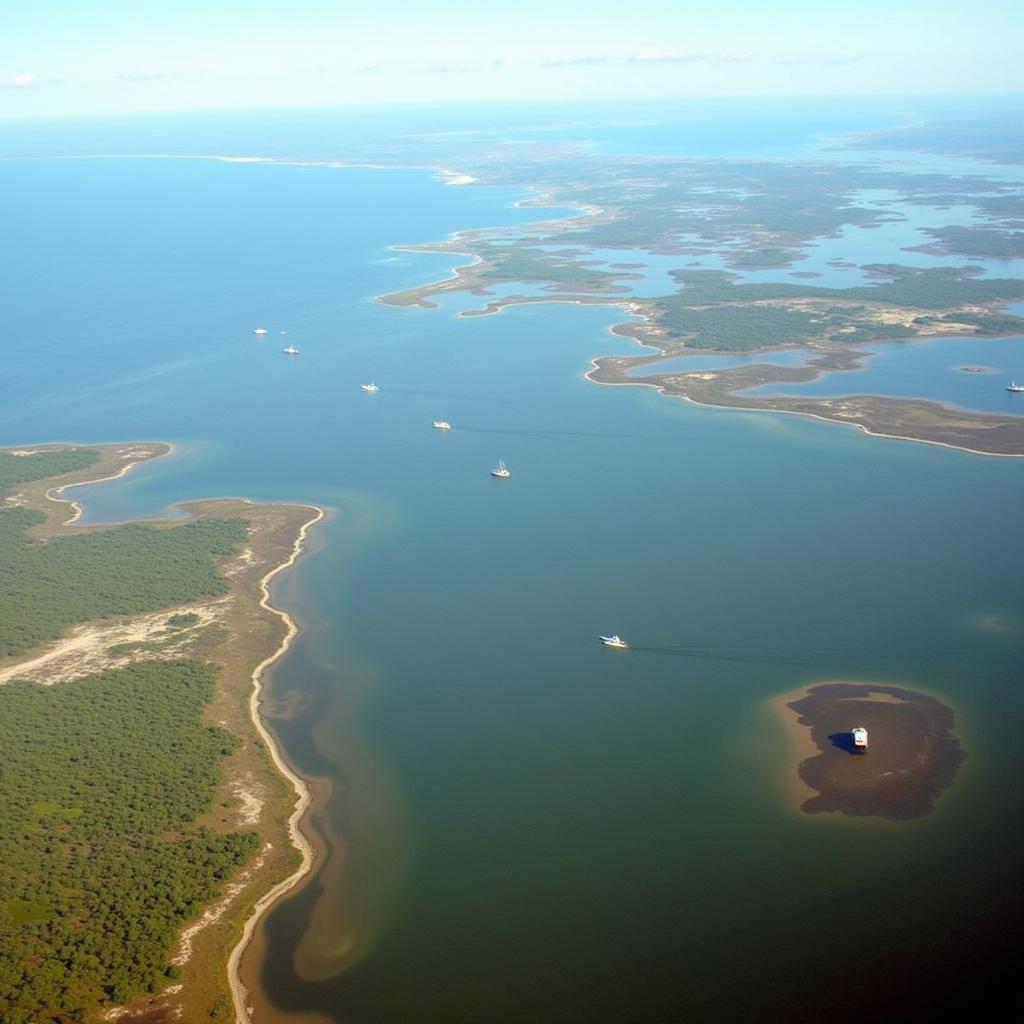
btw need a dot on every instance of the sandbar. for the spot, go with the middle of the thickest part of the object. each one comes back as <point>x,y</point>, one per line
<point>913,757</point>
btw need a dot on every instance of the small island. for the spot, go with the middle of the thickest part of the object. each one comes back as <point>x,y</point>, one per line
<point>913,757</point>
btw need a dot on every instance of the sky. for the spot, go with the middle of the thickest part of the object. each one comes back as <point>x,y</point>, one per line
<point>75,57</point>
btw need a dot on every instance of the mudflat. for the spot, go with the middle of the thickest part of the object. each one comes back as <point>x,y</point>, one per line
<point>913,754</point>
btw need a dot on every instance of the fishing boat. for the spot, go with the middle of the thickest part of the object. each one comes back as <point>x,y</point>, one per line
<point>260,331</point>
<point>290,350</point>
<point>370,388</point>
<point>860,740</point>
<point>613,641</point>
<point>1015,387</point>
<point>502,471</point>
<point>442,425</point>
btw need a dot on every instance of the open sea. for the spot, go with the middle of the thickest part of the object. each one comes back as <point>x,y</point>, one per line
<point>524,826</point>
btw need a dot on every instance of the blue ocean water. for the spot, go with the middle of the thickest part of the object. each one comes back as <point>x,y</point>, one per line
<point>532,827</point>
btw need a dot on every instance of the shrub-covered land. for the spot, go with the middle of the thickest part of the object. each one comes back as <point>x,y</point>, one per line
<point>508,263</point>
<point>975,241</point>
<point>22,469</point>
<point>50,583</point>
<point>712,311</point>
<point>100,781</point>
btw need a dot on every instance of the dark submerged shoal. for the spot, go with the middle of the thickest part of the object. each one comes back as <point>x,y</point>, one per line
<point>913,754</point>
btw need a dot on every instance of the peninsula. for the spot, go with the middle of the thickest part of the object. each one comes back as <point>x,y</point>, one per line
<point>129,700</point>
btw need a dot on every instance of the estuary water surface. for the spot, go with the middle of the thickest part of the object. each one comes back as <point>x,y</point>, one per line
<point>525,826</point>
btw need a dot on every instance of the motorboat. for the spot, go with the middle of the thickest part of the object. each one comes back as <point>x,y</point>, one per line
<point>442,425</point>
<point>259,331</point>
<point>613,641</point>
<point>370,388</point>
<point>290,350</point>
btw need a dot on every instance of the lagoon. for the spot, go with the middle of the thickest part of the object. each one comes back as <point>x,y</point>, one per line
<point>931,369</point>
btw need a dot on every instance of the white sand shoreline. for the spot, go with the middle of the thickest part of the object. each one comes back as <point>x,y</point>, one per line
<point>53,494</point>
<point>791,412</point>
<point>239,995</point>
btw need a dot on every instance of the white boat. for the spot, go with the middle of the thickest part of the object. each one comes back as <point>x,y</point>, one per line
<point>1015,387</point>
<point>291,350</point>
<point>260,331</point>
<point>502,471</point>
<point>442,425</point>
<point>370,388</point>
<point>613,641</point>
<point>860,740</point>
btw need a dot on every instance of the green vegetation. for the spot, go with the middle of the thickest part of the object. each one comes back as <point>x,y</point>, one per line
<point>738,328</point>
<point>712,311</point>
<point>182,619</point>
<point>23,469</point>
<point>521,264</point>
<point>49,584</point>
<point>991,242</point>
<point>102,779</point>
<point>990,324</point>
<point>100,782</point>
<point>931,288</point>
<point>767,256</point>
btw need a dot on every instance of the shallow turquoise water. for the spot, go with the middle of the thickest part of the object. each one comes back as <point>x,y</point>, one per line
<point>537,828</point>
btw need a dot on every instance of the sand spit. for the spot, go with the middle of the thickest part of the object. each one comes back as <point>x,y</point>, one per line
<point>302,844</point>
<point>133,454</point>
<point>597,366</point>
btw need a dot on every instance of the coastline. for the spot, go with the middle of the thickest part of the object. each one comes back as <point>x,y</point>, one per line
<point>157,450</point>
<point>299,785</point>
<point>256,791</point>
<point>864,428</point>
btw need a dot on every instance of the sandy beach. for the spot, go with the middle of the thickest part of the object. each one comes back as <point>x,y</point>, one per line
<point>134,454</point>
<point>299,785</point>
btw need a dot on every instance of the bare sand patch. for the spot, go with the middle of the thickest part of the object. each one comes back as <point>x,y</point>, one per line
<point>99,646</point>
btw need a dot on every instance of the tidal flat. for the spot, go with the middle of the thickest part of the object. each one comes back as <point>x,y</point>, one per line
<point>914,753</point>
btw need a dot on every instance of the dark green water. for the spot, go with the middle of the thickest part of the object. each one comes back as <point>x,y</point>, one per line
<point>533,828</point>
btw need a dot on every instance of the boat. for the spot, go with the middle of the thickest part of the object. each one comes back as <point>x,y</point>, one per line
<point>370,388</point>
<point>442,425</point>
<point>614,641</point>
<point>291,350</point>
<point>502,471</point>
<point>860,740</point>
<point>260,331</point>
<point>1015,387</point>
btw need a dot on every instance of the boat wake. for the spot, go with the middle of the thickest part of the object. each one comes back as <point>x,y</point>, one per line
<point>808,659</point>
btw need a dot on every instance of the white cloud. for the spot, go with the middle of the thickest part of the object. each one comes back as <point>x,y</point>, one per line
<point>652,55</point>
<point>22,80</point>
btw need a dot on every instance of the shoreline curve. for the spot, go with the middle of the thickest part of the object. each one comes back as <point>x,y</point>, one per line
<point>302,790</point>
<point>53,494</point>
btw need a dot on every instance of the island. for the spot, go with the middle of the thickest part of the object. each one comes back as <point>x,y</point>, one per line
<point>147,815</point>
<point>913,756</point>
